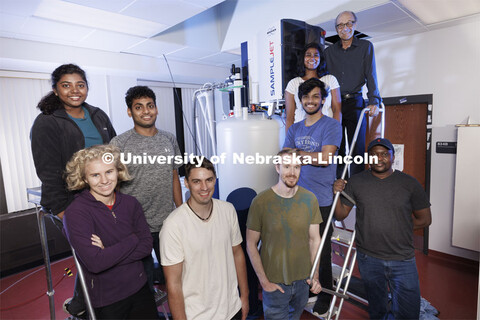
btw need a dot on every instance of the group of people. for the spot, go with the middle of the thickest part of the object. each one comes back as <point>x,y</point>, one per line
<point>322,103</point>
<point>113,214</point>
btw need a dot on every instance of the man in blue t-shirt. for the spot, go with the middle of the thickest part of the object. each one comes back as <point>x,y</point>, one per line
<point>318,137</point>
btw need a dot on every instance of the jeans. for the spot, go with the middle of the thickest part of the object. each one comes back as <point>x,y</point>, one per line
<point>288,305</point>
<point>400,277</point>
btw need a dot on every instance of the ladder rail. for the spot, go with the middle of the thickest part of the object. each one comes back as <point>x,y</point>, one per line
<point>347,283</point>
<point>81,277</point>
<point>337,195</point>
<point>342,275</point>
<point>332,212</point>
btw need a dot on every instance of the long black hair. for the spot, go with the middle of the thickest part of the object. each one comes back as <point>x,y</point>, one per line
<point>50,102</point>
<point>322,66</point>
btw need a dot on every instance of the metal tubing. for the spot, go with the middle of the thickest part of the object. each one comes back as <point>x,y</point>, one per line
<point>46,259</point>
<point>330,217</point>
<point>337,195</point>
<point>347,283</point>
<point>382,110</point>
<point>342,274</point>
<point>81,276</point>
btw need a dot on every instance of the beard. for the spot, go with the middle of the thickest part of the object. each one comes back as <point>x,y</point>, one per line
<point>288,183</point>
<point>313,111</point>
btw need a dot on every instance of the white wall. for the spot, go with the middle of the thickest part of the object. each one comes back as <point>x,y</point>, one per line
<point>446,63</point>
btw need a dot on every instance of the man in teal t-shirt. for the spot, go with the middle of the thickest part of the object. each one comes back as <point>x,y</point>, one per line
<point>286,218</point>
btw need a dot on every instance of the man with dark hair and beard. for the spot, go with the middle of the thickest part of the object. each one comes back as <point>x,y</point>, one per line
<point>286,218</point>
<point>318,138</point>
<point>390,205</point>
<point>155,185</point>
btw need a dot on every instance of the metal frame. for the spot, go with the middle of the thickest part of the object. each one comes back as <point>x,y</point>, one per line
<point>337,292</point>
<point>34,196</point>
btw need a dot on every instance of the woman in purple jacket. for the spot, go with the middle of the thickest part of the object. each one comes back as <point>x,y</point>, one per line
<point>110,235</point>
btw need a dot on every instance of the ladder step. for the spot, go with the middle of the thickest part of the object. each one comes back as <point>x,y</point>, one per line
<point>341,235</point>
<point>336,271</point>
<point>309,309</point>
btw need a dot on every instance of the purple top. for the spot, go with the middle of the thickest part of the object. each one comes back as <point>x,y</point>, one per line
<point>115,272</point>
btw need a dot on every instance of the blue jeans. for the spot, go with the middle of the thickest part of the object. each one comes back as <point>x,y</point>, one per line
<point>400,277</point>
<point>288,305</point>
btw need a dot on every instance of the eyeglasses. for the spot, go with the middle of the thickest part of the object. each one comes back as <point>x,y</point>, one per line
<point>349,24</point>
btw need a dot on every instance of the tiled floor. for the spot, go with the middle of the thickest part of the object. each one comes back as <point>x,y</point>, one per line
<point>449,284</point>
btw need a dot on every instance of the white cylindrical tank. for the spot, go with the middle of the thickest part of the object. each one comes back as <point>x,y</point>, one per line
<point>243,147</point>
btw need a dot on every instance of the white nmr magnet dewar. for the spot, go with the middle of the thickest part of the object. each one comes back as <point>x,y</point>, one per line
<point>245,148</point>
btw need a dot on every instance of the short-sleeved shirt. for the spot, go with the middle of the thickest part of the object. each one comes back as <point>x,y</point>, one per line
<point>384,221</point>
<point>284,224</point>
<point>317,179</point>
<point>152,182</point>
<point>209,278</point>
<point>331,84</point>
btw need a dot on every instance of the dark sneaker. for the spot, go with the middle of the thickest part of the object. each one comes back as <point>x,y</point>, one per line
<point>73,316</point>
<point>320,309</point>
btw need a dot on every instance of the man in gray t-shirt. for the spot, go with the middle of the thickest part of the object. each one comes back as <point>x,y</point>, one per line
<point>149,155</point>
<point>390,205</point>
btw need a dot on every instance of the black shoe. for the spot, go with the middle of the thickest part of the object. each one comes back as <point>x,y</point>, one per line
<point>257,313</point>
<point>73,315</point>
<point>320,309</point>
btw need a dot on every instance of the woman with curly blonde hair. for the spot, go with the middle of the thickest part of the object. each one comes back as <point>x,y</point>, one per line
<point>110,235</point>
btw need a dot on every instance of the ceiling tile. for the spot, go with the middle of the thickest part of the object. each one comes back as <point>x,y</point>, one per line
<point>11,23</point>
<point>203,3</point>
<point>192,53</point>
<point>219,58</point>
<point>109,41</point>
<point>55,30</point>
<point>107,5</point>
<point>169,12</point>
<point>384,14</point>
<point>387,30</point>
<point>154,48</point>
<point>72,13</point>
<point>24,8</point>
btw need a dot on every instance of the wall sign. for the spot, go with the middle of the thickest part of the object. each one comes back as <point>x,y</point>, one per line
<point>446,147</point>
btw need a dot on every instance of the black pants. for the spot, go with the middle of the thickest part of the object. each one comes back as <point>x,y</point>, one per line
<point>149,265</point>
<point>351,111</point>
<point>325,268</point>
<point>253,283</point>
<point>140,305</point>
<point>237,316</point>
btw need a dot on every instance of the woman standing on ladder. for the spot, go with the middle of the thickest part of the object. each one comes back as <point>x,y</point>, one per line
<point>313,65</point>
<point>67,124</point>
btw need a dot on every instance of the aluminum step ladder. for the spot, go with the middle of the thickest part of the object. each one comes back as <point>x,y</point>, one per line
<point>342,237</point>
<point>34,196</point>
